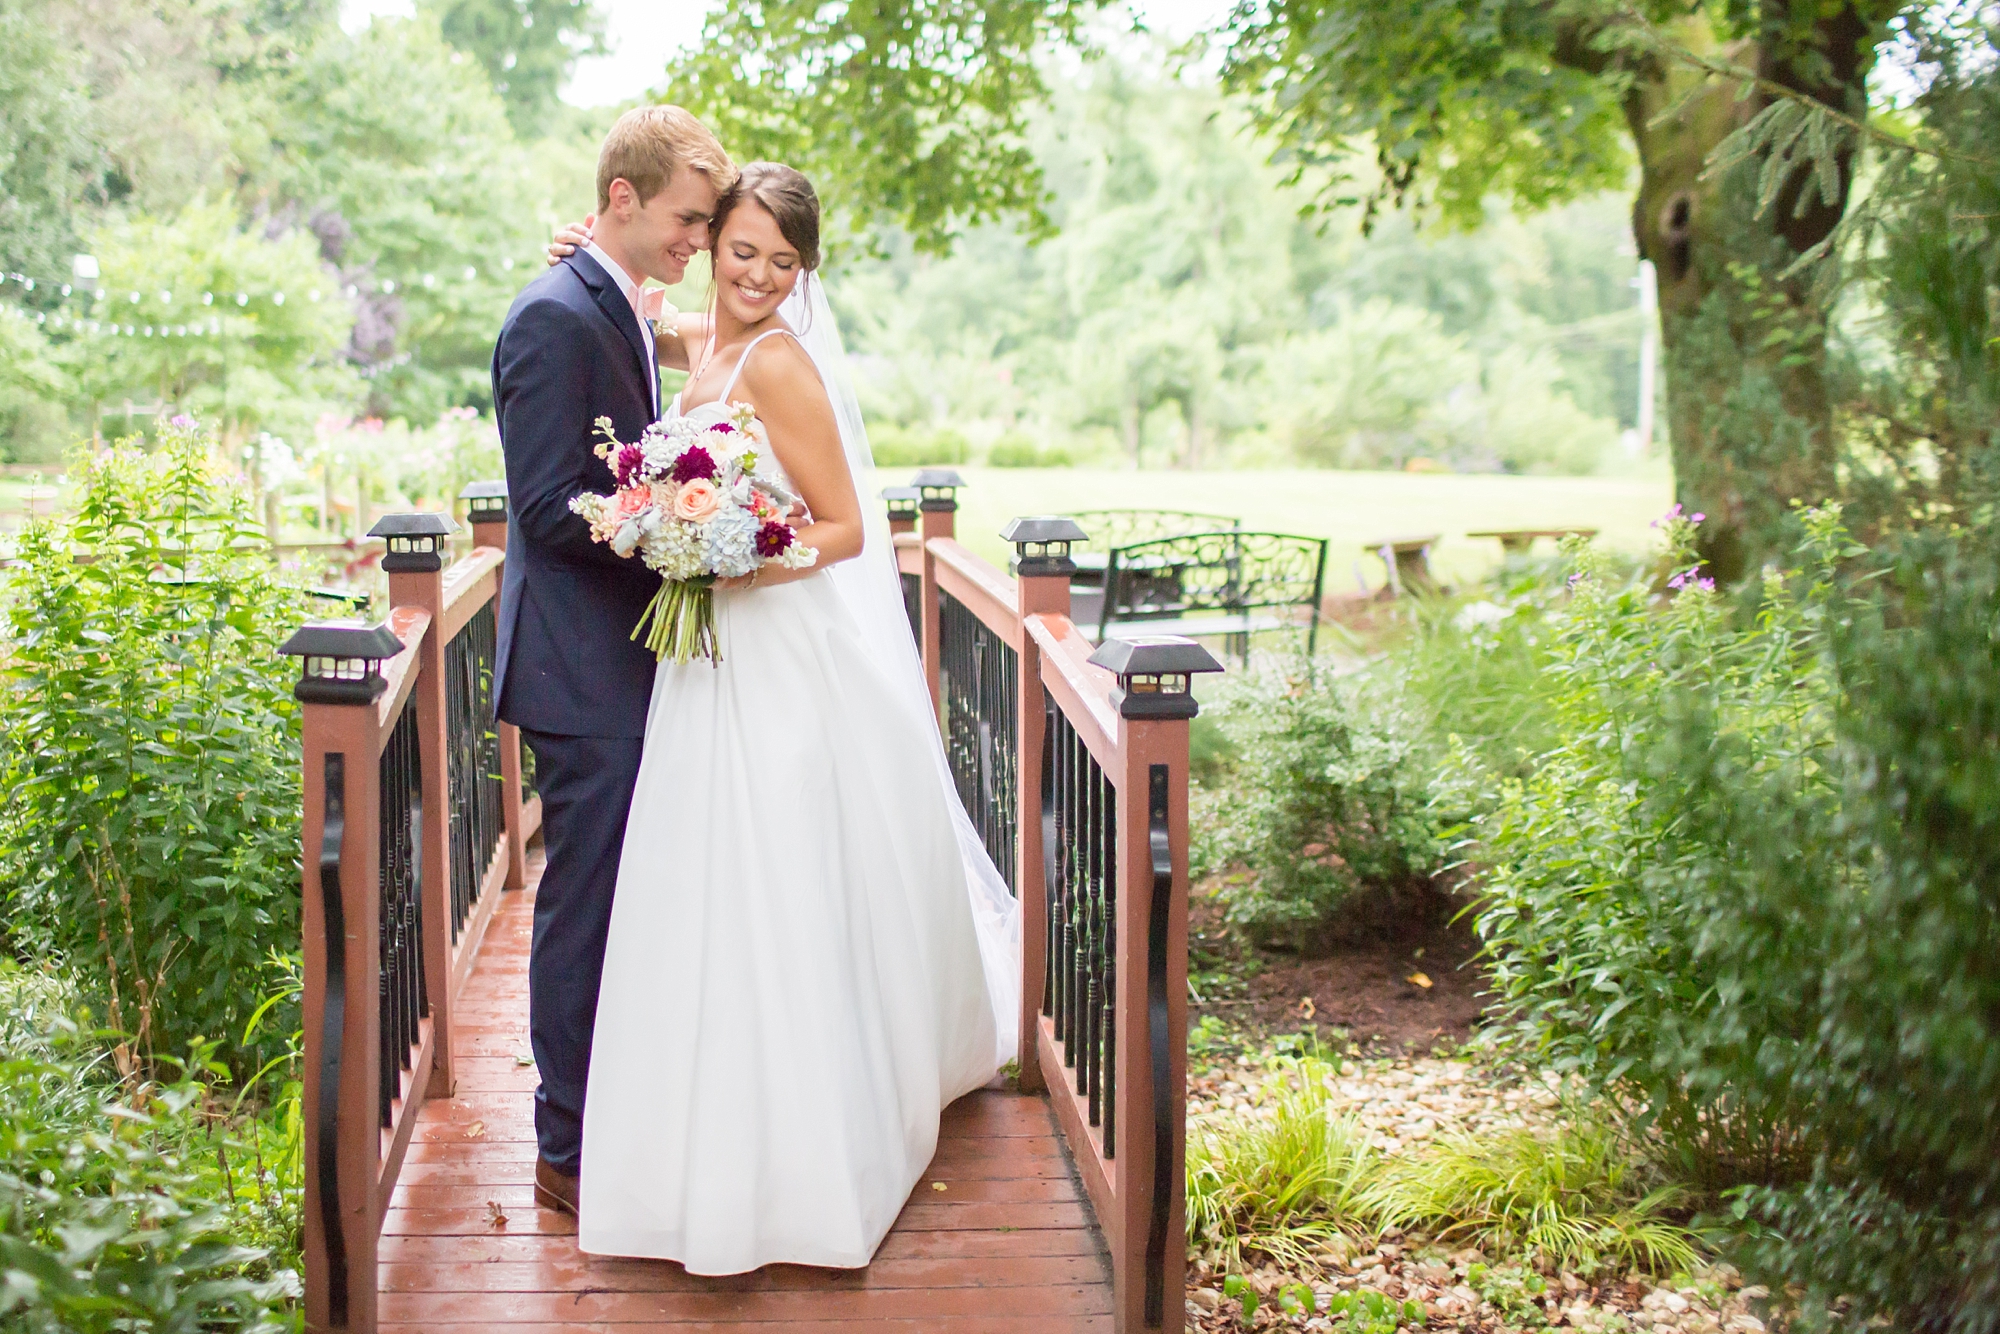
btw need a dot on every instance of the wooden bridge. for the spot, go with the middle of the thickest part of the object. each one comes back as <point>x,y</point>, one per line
<point>1055,1200</point>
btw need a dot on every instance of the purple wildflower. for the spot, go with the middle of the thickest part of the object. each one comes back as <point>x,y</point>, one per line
<point>1574,578</point>
<point>773,538</point>
<point>181,421</point>
<point>1706,585</point>
<point>626,463</point>
<point>1698,518</point>
<point>694,462</point>
<point>1680,577</point>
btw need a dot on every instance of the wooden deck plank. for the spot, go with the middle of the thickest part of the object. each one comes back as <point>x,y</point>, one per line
<point>981,1324</point>
<point>824,1304</point>
<point>1008,1246</point>
<point>576,1272</point>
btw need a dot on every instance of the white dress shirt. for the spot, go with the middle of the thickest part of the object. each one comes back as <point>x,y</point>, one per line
<point>630,288</point>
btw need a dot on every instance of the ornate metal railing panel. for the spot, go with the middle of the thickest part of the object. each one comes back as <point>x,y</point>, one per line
<point>1118,528</point>
<point>472,757</point>
<point>1226,571</point>
<point>402,993</point>
<point>978,677</point>
<point>1080,869</point>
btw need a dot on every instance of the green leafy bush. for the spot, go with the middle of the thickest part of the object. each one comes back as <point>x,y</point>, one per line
<point>1329,794</point>
<point>1014,450</point>
<point>915,447</point>
<point>124,1205</point>
<point>149,776</point>
<point>1755,889</point>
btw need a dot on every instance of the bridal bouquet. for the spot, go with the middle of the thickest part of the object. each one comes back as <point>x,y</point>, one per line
<point>693,505</point>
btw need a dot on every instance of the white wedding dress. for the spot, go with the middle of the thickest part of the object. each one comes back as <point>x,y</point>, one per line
<point>808,956</point>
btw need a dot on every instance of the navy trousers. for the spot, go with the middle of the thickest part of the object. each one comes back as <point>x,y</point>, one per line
<point>586,788</point>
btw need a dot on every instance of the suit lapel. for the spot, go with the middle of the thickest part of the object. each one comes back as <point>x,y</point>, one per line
<point>604,289</point>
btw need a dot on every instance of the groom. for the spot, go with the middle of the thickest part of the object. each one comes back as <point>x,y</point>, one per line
<point>575,348</point>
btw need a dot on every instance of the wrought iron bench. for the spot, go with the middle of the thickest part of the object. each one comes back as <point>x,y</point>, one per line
<point>1123,528</point>
<point>1229,583</point>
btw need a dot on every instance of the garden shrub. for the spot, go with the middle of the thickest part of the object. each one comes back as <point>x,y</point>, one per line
<point>1757,890</point>
<point>916,446</point>
<point>149,773</point>
<point>1474,666</point>
<point>1327,796</point>
<point>124,1205</point>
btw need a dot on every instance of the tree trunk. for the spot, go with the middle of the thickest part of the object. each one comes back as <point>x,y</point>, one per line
<point>1748,412</point>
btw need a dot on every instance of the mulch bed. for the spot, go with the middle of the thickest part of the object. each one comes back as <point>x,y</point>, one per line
<point>1408,988</point>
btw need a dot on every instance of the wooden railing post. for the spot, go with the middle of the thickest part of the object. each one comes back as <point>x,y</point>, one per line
<point>414,562</point>
<point>341,925</point>
<point>901,502</point>
<point>486,512</point>
<point>1042,570</point>
<point>1148,1237</point>
<point>939,510</point>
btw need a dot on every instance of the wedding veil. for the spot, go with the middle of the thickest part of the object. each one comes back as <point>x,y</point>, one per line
<point>872,590</point>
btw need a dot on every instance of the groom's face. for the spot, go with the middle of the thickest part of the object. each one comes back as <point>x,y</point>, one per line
<point>665,232</point>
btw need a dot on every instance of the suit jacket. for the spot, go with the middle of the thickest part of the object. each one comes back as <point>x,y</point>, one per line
<point>569,353</point>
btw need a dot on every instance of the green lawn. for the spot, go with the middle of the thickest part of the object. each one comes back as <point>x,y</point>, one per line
<point>1354,509</point>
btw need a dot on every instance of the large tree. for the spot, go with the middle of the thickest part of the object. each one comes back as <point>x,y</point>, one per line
<point>911,111</point>
<point>527,48</point>
<point>1541,98</point>
<point>912,108</point>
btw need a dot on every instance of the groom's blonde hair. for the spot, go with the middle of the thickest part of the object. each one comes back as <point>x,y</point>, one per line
<point>648,145</point>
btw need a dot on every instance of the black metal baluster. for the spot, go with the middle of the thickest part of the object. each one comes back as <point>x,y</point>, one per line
<point>472,745</point>
<point>1110,1017</point>
<point>1052,724</point>
<point>1100,999</point>
<point>1079,890</point>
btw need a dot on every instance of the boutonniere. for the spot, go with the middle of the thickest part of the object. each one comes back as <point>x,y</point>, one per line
<point>666,324</point>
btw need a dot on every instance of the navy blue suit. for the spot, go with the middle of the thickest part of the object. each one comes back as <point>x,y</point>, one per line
<point>566,671</point>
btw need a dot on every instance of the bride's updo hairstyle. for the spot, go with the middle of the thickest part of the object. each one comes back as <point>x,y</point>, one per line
<point>787,196</point>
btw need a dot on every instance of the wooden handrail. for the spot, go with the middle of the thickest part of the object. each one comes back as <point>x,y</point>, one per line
<point>353,1159</point>
<point>985,591</point>
<point>1136,1184</point>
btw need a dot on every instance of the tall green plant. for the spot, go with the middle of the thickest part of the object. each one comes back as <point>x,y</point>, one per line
<point>149,831</point>
<point>1756,889</point>
<point>1328,797</point>
<point>120,1208</point>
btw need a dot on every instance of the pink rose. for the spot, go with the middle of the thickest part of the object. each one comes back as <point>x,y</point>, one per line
<point>697,501</point>
<point>631,501</point>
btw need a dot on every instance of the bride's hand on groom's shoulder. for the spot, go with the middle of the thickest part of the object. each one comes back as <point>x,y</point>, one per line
<point>571,239</point>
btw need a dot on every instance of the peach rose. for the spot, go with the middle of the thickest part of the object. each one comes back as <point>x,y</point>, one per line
<point>697,501</point>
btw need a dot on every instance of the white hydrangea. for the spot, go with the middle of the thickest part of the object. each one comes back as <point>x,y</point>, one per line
<point>730,548</point>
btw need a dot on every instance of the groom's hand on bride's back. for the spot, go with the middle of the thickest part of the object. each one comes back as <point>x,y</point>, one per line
<point>571,239</point>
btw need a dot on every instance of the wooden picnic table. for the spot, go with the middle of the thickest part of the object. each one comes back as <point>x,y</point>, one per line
<point>1407,559</point>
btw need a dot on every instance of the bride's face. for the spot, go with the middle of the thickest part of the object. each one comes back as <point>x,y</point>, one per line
<point>755,266</point>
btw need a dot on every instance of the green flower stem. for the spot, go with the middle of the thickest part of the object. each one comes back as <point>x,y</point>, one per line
<point>679,623</point>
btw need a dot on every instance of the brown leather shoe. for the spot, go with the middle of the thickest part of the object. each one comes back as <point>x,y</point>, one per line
<point>553,1189</point>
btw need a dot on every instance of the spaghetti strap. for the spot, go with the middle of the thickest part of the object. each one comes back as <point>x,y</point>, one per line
<point>744,360</point>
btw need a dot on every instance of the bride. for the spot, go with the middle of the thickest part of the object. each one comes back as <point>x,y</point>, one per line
<point>810,954</point>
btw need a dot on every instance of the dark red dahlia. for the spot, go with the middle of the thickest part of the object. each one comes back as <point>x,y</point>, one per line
<point>625,464</point>
<point>773,538</point>
<point>723,428</point>
<point>695,462</point>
